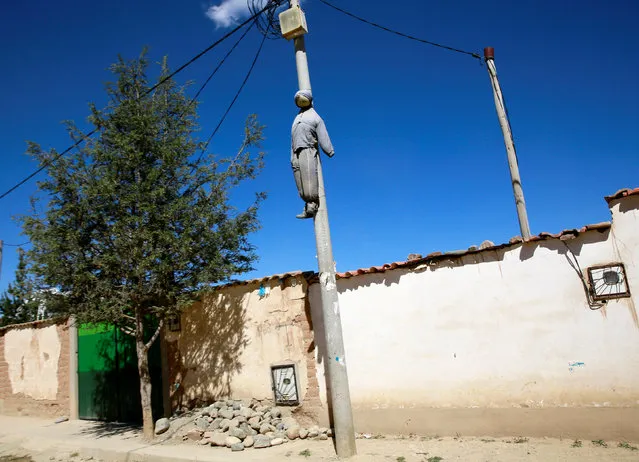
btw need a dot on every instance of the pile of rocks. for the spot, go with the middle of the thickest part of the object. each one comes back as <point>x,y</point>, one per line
<point>234,425</point>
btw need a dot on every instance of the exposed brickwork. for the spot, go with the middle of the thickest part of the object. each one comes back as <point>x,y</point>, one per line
<point>62,397</point>
<point>5,386</point>
<point>18,403</point>
<point>311,403</point>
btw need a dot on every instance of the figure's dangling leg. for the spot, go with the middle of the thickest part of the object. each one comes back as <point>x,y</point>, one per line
<point>295,165</point>
<point>309,186</point>
<point>297,174</point>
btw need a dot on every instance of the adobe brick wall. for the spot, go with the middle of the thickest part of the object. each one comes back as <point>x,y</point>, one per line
<point>23,405</point>
<point>311,404</point>
<point>275,329</point>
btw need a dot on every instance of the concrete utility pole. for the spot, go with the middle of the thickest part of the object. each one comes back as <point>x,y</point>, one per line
<point>73,369</point>
<point>335,360</point>
<point>489,57</point>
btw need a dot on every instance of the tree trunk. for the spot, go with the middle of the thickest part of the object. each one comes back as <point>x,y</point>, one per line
<point>145,389</point>
<point>145,378</point>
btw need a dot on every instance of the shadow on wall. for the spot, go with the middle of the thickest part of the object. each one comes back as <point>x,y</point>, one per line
<point>206,354</point>
<point>387,278</point>
<point>565,246</point>
<point>628,204</point>
<point>109,384</point>
<point>464,258</point>
<point>392,276</point>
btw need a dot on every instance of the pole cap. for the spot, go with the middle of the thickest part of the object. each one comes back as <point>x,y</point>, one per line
<point>489,53</point>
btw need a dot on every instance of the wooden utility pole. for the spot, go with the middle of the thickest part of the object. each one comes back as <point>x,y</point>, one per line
<point>335,360</point>
<point>522,215</point>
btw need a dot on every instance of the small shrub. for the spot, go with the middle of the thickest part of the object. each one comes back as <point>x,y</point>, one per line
<point>600,443</point>
<point>520,439</point>
<point>576,444</point>
<point>435,459</point>
<point>627,445</point>
<point>305,453</point>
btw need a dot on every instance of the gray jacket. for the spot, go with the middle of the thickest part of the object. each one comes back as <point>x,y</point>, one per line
<point>309,130</point>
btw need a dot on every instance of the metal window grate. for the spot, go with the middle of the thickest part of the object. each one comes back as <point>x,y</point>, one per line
<point>174,323</point>
<point>285,385</point>
<point>608,281</point>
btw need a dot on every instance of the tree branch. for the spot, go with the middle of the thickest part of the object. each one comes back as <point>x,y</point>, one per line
<point>127,331</point>
<point>148,344</point>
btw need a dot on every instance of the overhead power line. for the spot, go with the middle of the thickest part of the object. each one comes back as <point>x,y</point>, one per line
<point>417,39</point>
<point>217,68</point>
<point>237,94</point>
<point>163,80</point>
<point>47,164</point>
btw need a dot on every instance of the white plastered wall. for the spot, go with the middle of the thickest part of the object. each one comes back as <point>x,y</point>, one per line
<point>498,329</point>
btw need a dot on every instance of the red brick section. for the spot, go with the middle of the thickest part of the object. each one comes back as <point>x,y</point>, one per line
<point>311,402</point>
<point>19,404</point>
<point>5,386</point>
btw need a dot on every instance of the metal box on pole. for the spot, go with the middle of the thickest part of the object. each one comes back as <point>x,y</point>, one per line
<point>293,23</point>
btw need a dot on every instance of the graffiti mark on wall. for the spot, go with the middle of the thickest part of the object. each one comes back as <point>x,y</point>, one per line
<point>264,291</point>
<point>572,366</point>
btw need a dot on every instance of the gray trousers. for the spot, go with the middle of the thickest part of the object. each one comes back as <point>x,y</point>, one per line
<point>304,163</point>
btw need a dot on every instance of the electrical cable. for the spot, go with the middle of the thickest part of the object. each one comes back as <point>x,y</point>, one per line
<point>268,22</point>
<point>217,68</point>
<point>46,164</point>
<point>457,50</point>
<point>237,94</point>
<point>594,305</point>
<point>16,245</point>
<point>163,80</point>
<point>210,47</point>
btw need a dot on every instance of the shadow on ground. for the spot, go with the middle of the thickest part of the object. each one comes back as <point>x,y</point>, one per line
<point>108,429</point>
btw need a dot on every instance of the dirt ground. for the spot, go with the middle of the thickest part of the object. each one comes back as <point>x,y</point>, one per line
<point>419,449</point>
<point>24,439</point>
<point>402,449</point>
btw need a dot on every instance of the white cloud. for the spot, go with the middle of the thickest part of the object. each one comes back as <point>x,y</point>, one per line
<point>228,12</point>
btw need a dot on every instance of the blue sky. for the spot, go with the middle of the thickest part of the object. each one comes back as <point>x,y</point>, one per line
<point>420,163</point>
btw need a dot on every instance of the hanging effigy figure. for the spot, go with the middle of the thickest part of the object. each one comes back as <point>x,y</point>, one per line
<point>308,132</point>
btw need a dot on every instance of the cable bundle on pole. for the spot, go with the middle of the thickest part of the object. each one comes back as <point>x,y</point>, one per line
<point>267,16</point>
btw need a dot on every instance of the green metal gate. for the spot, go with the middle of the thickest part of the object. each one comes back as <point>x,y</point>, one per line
<point>108,380</point>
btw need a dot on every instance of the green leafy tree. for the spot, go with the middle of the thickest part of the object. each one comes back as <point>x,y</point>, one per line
<point>136,224</point>
<point>19,303</point>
